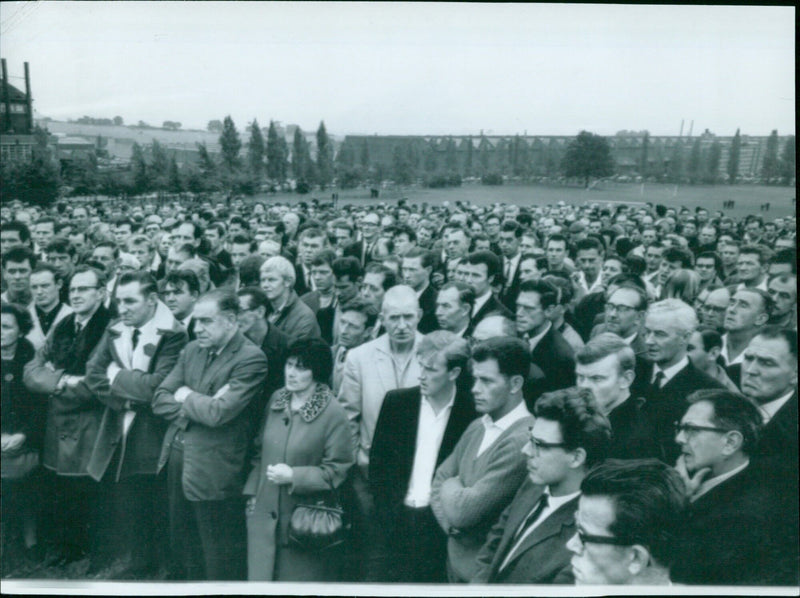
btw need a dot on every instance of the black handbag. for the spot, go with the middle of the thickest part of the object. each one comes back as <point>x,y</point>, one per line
<point>319,526</point>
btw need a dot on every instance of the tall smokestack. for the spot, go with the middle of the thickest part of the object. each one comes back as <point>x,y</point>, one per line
<point>681,133</point>
<point>28,96</point>
<point>6,102</point>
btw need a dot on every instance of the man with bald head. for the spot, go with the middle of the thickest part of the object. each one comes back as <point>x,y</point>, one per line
<point>370,371</point>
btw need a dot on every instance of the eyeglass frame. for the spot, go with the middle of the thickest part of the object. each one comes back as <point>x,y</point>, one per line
<point>82,289</point>
<point>687,429</point>
<point>626,309</point>
<point>611,540</point>
<point>539,444</point>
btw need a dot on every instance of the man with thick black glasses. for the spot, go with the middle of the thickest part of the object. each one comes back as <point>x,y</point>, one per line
<point>733,526</point>
<point>627,523</point>
<point>528,542</point>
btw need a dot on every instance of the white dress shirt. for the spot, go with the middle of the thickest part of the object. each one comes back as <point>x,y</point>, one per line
<point>493,429</point>
<point>534,340</point>
<point>480,302</point>
<point>768,410</point>
<point>510,266</point>
<point>723,352</point>
<point>670,372</point>
<point>430,432</point>
<point>553,504</point>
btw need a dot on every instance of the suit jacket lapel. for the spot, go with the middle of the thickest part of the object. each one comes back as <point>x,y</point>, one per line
<point>384,366</point>
<point>548,528</point>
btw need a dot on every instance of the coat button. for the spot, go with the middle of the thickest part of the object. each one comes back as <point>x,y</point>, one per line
<point>274,515</point>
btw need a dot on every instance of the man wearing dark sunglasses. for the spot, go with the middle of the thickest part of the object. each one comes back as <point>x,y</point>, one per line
<point>528,542</point>
<point>627,523</point>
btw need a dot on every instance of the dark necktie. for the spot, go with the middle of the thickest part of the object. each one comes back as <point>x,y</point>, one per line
<point>78,328</point>
<point>531,518</point>
<point>135,338</point>
<point>659,380</point>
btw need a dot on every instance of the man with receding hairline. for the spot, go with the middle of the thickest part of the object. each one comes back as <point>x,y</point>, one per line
<point>370,371</point>
<point>205,399</point>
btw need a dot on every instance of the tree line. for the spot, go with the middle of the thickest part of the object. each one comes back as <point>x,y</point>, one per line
<point>271,164</point>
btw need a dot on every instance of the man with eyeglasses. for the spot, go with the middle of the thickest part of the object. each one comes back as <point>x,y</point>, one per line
<point>627,523</point>
<point>73,416</point>
<point>528,542</point>
<point>712,311</point>
<point>731,533</point>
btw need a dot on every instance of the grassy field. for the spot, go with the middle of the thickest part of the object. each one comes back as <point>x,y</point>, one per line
<point>748,198</point>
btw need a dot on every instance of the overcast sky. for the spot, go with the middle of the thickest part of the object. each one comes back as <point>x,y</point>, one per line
<point>410,68</point>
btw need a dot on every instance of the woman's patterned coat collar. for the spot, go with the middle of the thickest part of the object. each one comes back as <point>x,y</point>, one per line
<point>311,408</point>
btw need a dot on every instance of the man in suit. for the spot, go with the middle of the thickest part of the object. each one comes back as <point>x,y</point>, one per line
<point>509,242</point>
<point>47,309</point>
<point>133,357</point>
<point>310,241</point>
<point>362,249</point>
<point>73,415</point>
<point>358,318</point>
<point>323,301</point>
<point>417,267</point>
<point>181,290</point>
<point>454,303</point>
<point>627,523</point>
<point>734,527</point>
<point>252,322</point>
<point>287,313</point>
<point>549,350</point>
<point>370,371</point>
<point>480,477</point>
<point>480,271</point>
<point>606,366</point>
<point>747,313</point>
<point>204,398</point>
<point>669,376</point>
<point>417,428</point>
<point>528,542</point>
<point>769,377</point>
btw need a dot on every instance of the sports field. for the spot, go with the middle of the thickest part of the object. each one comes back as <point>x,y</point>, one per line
<point>747,198</point>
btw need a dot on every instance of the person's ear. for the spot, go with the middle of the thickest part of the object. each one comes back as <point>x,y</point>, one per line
<point>453,374</point>
<point>578,458</point>
<point>639,559</point>
<point>516,383</point>
<point>733,442</point>
<point>628,376</point>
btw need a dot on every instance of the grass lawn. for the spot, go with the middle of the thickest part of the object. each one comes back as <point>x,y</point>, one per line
<point>748,198</point>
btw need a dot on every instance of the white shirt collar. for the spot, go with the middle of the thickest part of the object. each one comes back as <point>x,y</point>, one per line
<point>419,293</point>
<point>505,422</point>
<point>768,410</point>
<point>448,406</point>
<point>534,340</point>
<point>629,340</point>
<point>724,353</point>
<point>481,301</point>
<point>713,482</point>
<point>670,372</point>
<point>555,502</point>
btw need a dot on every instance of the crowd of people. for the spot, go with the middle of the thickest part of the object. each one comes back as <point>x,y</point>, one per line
<point>560,394</point>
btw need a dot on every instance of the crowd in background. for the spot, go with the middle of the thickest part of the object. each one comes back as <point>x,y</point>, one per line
<point>596,394</point>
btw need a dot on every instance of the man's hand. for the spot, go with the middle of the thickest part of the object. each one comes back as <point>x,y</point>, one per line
<point>11,442</point>
<point>280,474</point>
<point>181,394</point>
<point>692,482</point>
<point>250,508</point>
